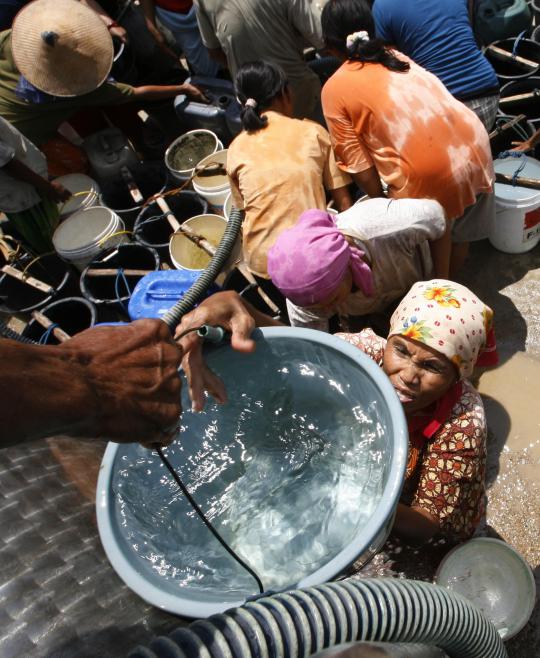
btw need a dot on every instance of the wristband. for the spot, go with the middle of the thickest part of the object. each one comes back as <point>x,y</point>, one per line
<point>112,24</point>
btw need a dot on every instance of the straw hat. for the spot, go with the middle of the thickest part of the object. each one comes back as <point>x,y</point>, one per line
<point>61,47</point>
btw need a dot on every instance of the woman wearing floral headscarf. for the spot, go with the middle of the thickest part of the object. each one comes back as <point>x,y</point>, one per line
<point>438,334</point>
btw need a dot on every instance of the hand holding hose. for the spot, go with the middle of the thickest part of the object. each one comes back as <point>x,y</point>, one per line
<point>227,310</point>
<point>131,377</point>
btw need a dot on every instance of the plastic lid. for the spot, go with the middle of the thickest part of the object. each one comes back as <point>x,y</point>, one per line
<point>495,577</point>
<point>517,194</point>
<point>83,228</point>
<point>77,184</point>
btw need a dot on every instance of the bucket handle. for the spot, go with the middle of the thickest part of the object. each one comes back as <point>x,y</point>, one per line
<point>109,237</point>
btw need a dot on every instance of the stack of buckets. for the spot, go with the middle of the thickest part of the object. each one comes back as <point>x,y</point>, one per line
<point>214,188</point>
<point>87,227</point>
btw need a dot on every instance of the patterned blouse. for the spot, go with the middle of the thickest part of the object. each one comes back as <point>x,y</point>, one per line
<point>446,476</point>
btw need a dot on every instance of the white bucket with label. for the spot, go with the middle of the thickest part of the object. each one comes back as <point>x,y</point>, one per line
<point>517,222</point>
<point>85,234</point>
<point>213,187</point>
<point>86,193</point>
<point>187,150</point>
<point>185,255</point>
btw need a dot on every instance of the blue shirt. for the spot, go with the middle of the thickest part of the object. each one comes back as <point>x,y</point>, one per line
<point>437,35</point>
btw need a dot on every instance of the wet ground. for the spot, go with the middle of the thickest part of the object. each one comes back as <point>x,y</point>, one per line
<point>510,284</point>
<point>59,597</point>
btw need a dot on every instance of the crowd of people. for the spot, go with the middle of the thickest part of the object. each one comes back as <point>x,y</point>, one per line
<point>395,141</point>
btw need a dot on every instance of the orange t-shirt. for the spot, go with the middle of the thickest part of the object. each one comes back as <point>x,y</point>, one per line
<point>423,142</point>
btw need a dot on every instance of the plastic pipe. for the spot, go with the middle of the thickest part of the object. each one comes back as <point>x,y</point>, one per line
<point>302,622</point>
<point>198,289</point>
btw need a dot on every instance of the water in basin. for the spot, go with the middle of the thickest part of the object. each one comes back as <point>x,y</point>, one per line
<point>289,471</point>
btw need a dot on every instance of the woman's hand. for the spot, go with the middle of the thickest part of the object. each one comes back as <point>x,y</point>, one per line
<point>227,310</point>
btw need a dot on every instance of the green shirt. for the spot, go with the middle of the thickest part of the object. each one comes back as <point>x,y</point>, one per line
<point>39,121</point>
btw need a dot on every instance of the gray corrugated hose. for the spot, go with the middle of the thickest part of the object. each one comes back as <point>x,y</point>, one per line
<point>302,622</point>
<point>195,293</point>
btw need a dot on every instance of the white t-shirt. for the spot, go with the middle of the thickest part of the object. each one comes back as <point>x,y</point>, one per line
<point>394,234</point>
<point>15,195</point>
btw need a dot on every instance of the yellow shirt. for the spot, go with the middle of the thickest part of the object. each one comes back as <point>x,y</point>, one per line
<point>276,174</point>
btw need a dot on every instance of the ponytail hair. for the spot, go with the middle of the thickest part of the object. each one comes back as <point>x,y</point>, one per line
<point>348,27</point>
<point>257,84</point>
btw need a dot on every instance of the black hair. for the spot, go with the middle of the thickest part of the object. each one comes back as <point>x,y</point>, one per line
<point>262,82</point>
<point>341,18</point>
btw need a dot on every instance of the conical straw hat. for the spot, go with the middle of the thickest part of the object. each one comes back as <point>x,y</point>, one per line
<point>62,47</point>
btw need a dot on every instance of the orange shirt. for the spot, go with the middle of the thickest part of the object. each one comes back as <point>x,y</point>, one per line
<point>423,142</point>
<point>276,174</point>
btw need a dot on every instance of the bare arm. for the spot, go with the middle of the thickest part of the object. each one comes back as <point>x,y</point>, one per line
<point>119,383</point>
<point>155,92</point>
<point>369,182</point>
<point>114,29</point>
<point>342,198</point>
<point>149,13</point>
<point>415,524</point>
<point>20,171</point>
<point>219,56</point>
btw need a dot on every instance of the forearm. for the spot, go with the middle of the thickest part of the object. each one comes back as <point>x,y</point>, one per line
<point>149,12</point>
<point>369,182</point>
<point>219,56</point>
<point>155,92</point>
<point>21,172</point>
<point>42,393</point>
<point>342,198</point>
<point>414,524</point>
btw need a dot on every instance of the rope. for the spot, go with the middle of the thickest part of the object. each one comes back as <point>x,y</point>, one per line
<point>120,276</point>
<point>113,235</point>
<point>47,334</point>
<point>517,128</point>
<point>521,167</point>
<point>517,41</point>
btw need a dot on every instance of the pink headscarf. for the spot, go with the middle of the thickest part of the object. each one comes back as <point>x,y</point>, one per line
<point>308,261</point>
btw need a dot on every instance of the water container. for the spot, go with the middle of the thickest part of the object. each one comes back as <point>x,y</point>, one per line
<point>188,150</point>
<point>85,193</point>
<point>149,176</point>
<point>512,70</point>
<point>153,230</point>
<point>214,187</point>
<point>115,290</point>
<point>517,223</point>
<point>529,107</point>
<point>535,6</point>
<point>535,36</point>
<point>19,297</point>
<point>187,255</point>
<point>221,115</point>
<point>295,376</point>
<point>73,315</point>
<point>157,292</point>
<point>85,234</point>
<point>108,151</point>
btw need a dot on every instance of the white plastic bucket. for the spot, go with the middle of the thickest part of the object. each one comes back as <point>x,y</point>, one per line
<point>85,234</point>
<point>185,255</point>
<point>185,174</point>
<point>517,222</point>
<point>214,188</point>
<point>86,193</point>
